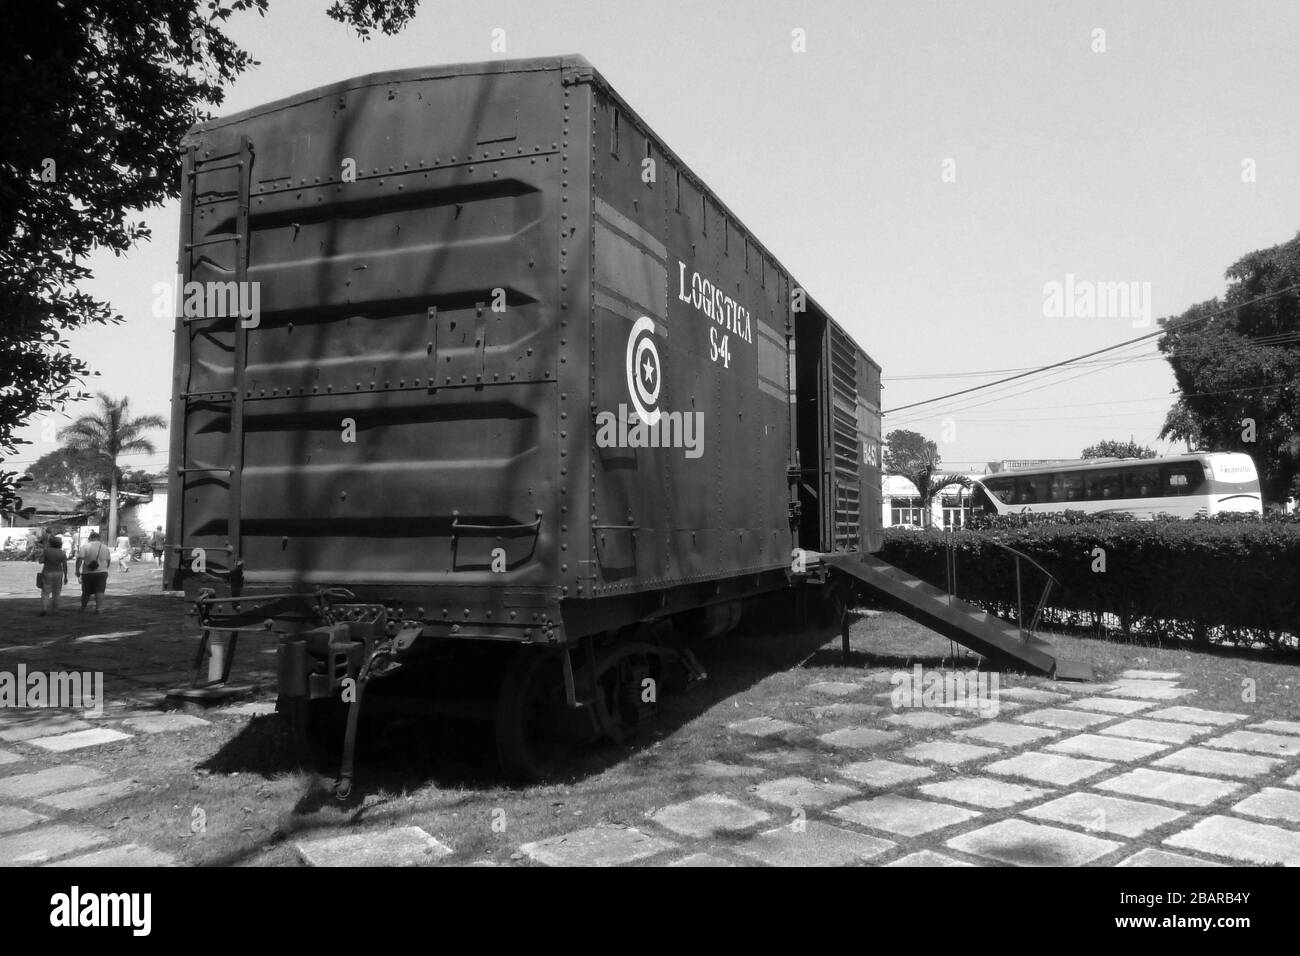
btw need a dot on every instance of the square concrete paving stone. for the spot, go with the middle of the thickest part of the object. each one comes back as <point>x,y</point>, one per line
<point>1218,763</point>
<point>1165,731</point>
<point>257,708</point>
<point>928,858</point>
<point>717,770</point>
<point>817,844</point>
<point>129,854</point>
<point>1274,745</point>
<point>1055,769</point>
<point>162,723</point>
<point>883,774</point>
<point>42,728</point>
<point>1195,715</point>
<point>1272,803</point>
<point>1182,788</point>
<point>845,710</point>
<point>904,815</point>
<point>947,752</point>
<point>923,719</point>
<point>1239,839</point>
<point>786,757</point>
<point>1064,719</point>
<point>46,843</point>
<point>395,846</point>
<point>1031,694</point>
<point>708,816</point>
<point>603,845</point>
<point>1119,749</point>
<point>1164,858</point>
<point>763,727</point>
<point>801,792</point>
<point>702,859</point>
<point>1006,735</point>
<point>1150,675</point>
<point>1111,705</point>
<point>15,818</point>
<point>1151,690</point>
<point>25,786</point>
<point>982,792</point>
<point>1032,844</point>
<point>834,688</point>
<point>91,796</point>
<point>858,738</point>
<point>1092,811</point>
<point>1278,727</point>
<point>79,739</point>
<point>8,756</point>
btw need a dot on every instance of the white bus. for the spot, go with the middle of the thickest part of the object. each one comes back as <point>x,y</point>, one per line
<point>1181,485</point>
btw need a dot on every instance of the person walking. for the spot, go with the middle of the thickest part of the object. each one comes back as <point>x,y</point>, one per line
<point>54,568</point>
<point>93,562</point>
<point>122,552</point>
<point>157,541</point>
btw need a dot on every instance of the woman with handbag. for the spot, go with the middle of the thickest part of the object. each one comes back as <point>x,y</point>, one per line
<point>93,561</point>
<point>54,568</point>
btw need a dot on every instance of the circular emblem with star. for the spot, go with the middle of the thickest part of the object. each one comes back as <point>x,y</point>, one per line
<point>643,370</point>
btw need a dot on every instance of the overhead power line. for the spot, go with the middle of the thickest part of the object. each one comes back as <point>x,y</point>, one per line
<point>1102,351</point>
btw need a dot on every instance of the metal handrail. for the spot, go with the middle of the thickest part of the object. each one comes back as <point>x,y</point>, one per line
<point>950,562</point>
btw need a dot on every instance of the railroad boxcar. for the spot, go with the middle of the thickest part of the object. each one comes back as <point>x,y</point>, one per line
<point>471,367</point>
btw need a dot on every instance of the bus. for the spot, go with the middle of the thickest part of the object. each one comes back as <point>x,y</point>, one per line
<point>1183,486</point>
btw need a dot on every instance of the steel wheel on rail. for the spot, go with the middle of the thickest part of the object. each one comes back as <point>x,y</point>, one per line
<point>530,716</point>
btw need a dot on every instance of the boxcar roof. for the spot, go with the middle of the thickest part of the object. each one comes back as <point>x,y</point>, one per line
<point>574,61</point>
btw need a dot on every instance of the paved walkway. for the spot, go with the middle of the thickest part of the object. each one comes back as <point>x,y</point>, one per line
<point>1129,773</point>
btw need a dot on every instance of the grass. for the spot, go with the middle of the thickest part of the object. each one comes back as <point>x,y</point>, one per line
<point>233,793</point>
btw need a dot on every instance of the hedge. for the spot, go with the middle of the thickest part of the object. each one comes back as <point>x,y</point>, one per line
<point>1217,581</point>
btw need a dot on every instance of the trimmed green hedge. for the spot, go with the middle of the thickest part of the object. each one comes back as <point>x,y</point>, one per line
<point>1217,581</point>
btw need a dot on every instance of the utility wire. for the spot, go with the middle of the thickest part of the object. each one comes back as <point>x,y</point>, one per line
<point>1110,348</point>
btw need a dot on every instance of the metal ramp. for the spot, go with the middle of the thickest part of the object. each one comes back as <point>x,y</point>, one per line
<point>955,619</point>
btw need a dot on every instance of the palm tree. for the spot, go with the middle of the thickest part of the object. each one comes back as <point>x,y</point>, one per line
<point>105,434</point>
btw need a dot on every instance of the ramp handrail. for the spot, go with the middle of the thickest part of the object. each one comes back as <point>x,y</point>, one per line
<point>951,568</point>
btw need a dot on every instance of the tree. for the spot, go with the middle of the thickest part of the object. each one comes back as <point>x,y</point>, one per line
<point>108,433</point>
<point>97,95</point>
<point>916,458</point>
<point>1236,362</point>
<point>67,471</point>
<point>1117,449</point>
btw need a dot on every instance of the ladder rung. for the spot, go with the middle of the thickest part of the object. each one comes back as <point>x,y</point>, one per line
<point>181,471</point>
<point>193,547</point>
<point>216,391</point>
<point>225,237</point>
<point>213,169</point>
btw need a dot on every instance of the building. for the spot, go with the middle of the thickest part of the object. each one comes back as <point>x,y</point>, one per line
<point>901,504</point>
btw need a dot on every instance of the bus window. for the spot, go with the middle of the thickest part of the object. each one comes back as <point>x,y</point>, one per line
<point>1000,488</point>
<point>1182,478</point>
<point>1073,486</point>
<point>1055,486</point>
<point>1101,485</point>
<point>1028,490</point>
<point>1142,481</point>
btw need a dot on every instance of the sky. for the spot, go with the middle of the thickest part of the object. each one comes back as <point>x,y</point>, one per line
<point>926,170</point>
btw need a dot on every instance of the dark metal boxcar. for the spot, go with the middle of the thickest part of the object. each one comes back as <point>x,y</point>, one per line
<point>506,371</point>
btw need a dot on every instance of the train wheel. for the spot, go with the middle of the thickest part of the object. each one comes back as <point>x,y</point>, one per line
<point>530,716</point>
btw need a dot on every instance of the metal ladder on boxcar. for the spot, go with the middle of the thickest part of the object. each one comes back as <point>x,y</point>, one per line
<point>196,169</point>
